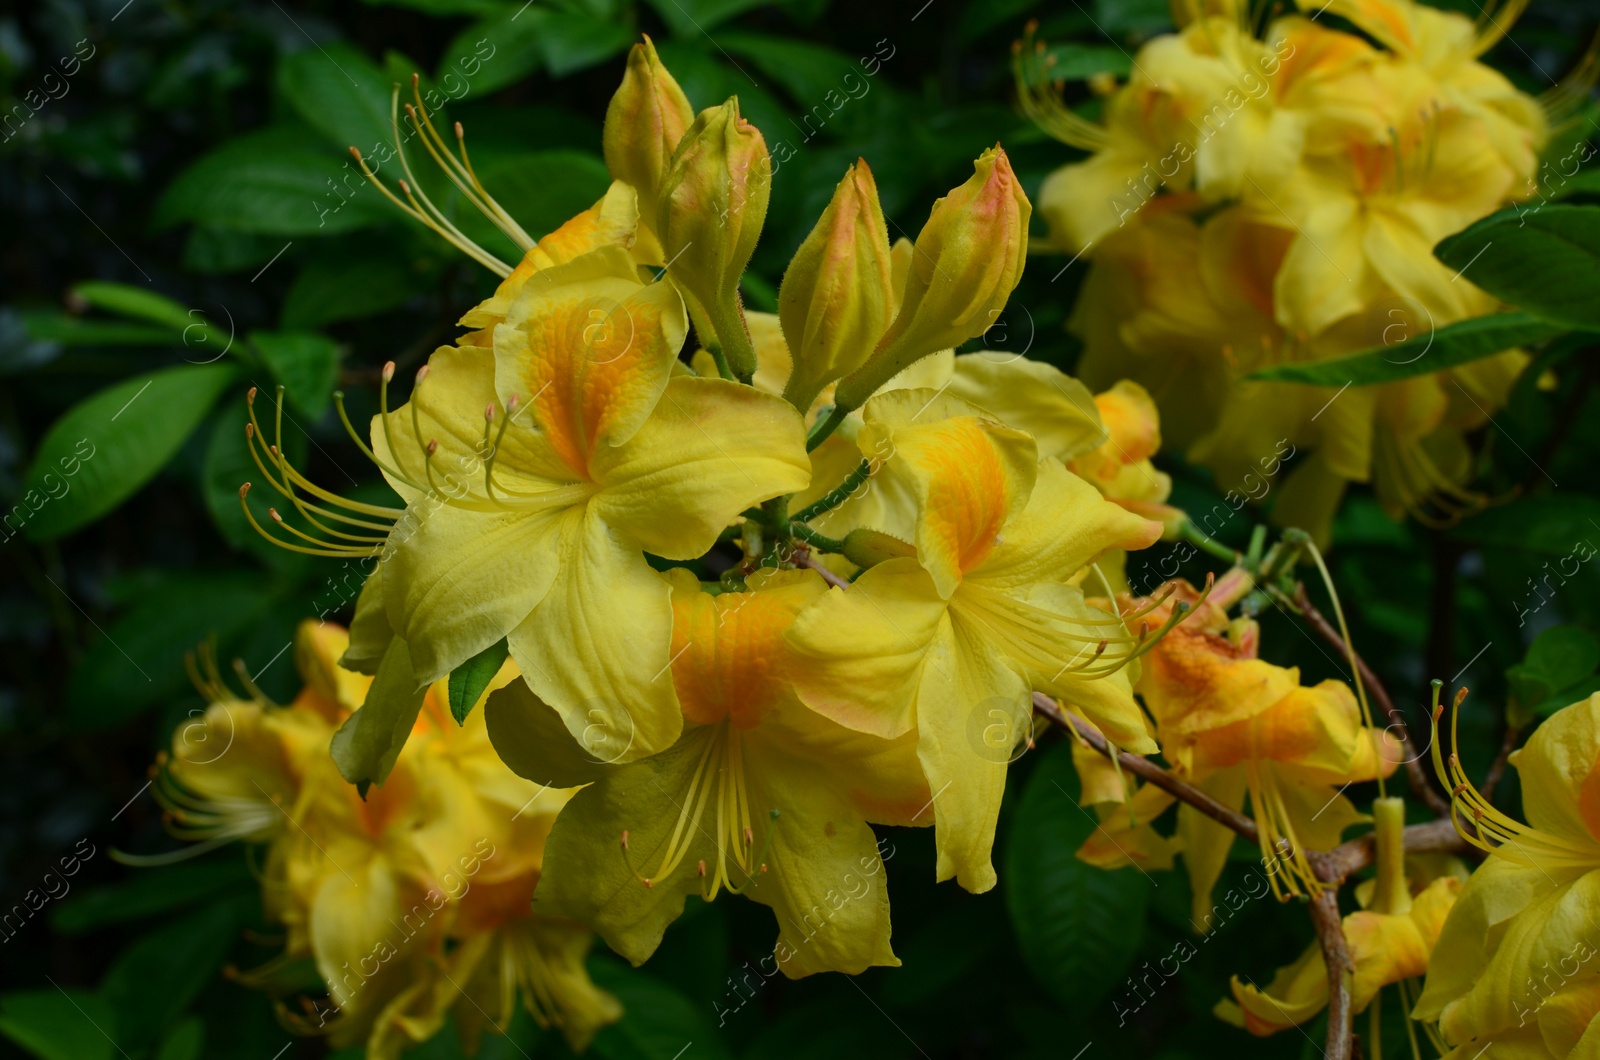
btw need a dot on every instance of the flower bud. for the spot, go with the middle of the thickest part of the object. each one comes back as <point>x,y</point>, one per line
<point>713,202</point>
<point>968,258</point>
<point>645,121</point>
<point>835,297</point>
<point>867,548</point>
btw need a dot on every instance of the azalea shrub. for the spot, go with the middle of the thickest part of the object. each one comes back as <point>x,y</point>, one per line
<point>768,530</point>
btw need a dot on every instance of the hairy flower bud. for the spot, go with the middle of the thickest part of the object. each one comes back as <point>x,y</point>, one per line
<point>968,258</point>
<point>835,297</point>
<point>866,547</point>
<point>645,121</point>
<point>713,202</point>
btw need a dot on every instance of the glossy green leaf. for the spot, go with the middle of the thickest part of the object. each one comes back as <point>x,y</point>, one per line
<point>108,445</point>
<point>352,282</point>
<point>138,662</point>
<point>691,18</point>
<point>660,1023</point>
<point>1448,347</point>
<point>495,52</point>
<point>129,301</point>
<point>574,41</point>
<point>156,978</point>
<point>1545,260</point>
<point>148,892</point>
<point>279,181</point>
<point>54,1024</point>
<point>304,363</point>
<point>1078,926</point>
<point>183,1042</point>
<point>1566,654</point>
<point>468,680</point>
<point>1567,524</point>
<point>341,93</point>
<point>49,325</point>
<point>541,189</point>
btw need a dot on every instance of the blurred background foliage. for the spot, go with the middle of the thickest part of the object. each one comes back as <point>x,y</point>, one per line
<point>184,222</point>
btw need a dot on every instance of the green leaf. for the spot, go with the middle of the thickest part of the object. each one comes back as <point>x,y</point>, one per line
<point>659,1022</point>
<point>128,301</point>
<point>807,71</point>
<point>1131,17</point>
<point>443,7</point>
<point>1565,655</point>
<point>573,41</point>
<point>1448,347</point>
<point>218,251</point>
<point>1544,260</point>
<point>156,978</point>
<point>278,181</point>
<point>341,93</point>
<point>350,282</point>
<point>692,18</point>
<point>1566,525</point>
<point>496,52</point>
<point>1079,62</point>
<point>1078,926</point>
<point>59,1025</point>
<point>139,661</point>
<point>541,189</point>
<point>304,363</point>
<point>468,680</point>
<point>107,446</point>
<point>185,1041</point>
<point>50,325</point>
<point>151,891</point>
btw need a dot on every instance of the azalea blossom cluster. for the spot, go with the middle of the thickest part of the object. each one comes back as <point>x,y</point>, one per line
<point>413,905</point>
<point>904,535</point>
<point>1252,201</point>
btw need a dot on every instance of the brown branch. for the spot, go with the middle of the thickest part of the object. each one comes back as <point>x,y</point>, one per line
<point>1415,773</point>
<point>1148,771</point>
<point>1336,955</point>
<point>1337,865</point>
<point>803,557</point>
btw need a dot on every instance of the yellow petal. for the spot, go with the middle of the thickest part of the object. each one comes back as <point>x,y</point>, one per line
<point>1297,993</point>
<point>970,473</point>
<point>588,349</point>
<point>596,647</point>
<point>710,450</point>
<point>1206,843</point>
<point>1559,774</point>
<point>366,746</point>
<point>861,649</point>
<point>962,681</point>
<point>609,222</point>
<point>1065,524</point>
<point>1031,396</point>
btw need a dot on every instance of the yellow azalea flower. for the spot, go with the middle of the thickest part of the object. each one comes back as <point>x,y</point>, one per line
<point>1514,968</point>
<point>760,796</point>
<point>596,455</point>
<point>1124,809</point>
<point>978,618</point>
<point>1390,941</point>
<point>414,903</point>
<point>1193,344</point>
<point>1304,179</point>
<point>1233,724</point>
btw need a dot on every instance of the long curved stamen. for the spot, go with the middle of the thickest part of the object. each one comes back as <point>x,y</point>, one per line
<point>461,175</point>
<point>1039,96</point>
<point>1349,645</point>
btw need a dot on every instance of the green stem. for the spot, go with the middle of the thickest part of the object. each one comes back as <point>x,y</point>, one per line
<point>722,361</point>
<point>734,338</point>
<point>1197,537</point>
<point>836,496</point>
<point>821,542</point>
<point>826,426</point>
